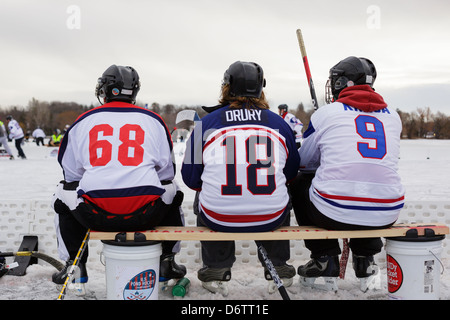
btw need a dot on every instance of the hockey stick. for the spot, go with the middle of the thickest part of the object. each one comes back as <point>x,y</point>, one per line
<point>35,254</point>
<point>269,265</point>
<point>344,258</point>
<point>72,269</point>
<point>308,71</point>
<point>345,253</point>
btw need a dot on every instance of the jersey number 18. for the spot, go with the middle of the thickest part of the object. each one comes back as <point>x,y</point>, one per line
<point>254,164</point>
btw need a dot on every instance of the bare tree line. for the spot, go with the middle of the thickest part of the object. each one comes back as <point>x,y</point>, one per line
<point>421,123</point>
<point>49,116</point>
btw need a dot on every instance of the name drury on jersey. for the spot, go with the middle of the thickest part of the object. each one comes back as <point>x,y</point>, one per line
<point>237,115</point>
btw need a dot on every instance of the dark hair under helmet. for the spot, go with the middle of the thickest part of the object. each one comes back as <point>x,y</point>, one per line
<point>118,83</point>
<point>246,79</point>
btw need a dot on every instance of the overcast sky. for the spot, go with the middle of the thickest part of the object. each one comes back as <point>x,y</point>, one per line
<point>56,50</point>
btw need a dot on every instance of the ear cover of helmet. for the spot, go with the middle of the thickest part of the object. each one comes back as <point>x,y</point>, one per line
<point>118,83</point>
<point>351,71</point>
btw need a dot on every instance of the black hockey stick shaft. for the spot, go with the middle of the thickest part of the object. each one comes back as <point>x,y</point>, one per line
<point>76,261</point>
<point>269,265</point>
<point>307,70</point>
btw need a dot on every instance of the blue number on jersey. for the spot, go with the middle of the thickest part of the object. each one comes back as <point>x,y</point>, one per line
<point>369,127</point>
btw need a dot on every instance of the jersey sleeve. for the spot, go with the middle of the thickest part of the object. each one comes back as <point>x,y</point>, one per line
<point>309,151</point>
<point>290,170</point>
<point>72,169</point>
<point>192,167</point>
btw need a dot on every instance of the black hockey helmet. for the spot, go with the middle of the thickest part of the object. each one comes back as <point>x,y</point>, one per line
<point>246,79</point>
<point>118,83</point>
<point>282,109</point>
<point>349,72</point>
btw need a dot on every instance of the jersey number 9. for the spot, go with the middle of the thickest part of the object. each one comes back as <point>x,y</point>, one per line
<point>371,128</point>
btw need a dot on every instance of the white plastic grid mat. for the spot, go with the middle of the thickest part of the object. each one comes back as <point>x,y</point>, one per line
<point>19,218</point>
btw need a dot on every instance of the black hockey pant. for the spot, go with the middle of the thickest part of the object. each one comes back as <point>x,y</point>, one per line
<point>221,254</point>
<point>73,225</point>
<point>308,215</point>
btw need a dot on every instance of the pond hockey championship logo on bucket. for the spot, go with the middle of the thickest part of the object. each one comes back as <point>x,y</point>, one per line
<point>394,274</point>
<point>141,286</point>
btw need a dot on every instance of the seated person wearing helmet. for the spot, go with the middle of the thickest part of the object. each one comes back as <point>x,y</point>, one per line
<point>348,164</point>
<point>55,139</point>
<point>239,159</point>
<point>118,171</point>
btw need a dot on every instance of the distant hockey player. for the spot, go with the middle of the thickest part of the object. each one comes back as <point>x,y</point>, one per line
<point>55,138</point>
<point>239,158</point>
<point>349,179</point>
<point>295,124</point>
<point>4,140</point>
<point>16,133</point>
<point>118,173</point>
<point>39,135</point>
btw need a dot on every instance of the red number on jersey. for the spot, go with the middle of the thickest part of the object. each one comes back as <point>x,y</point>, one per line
<point>96,146</point>
<point>131,145</point>
<point>130,153</point>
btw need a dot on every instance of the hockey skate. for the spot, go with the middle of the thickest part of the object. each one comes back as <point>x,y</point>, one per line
<point>78,278</point>
<point>169,272</point>
<point>285,272</point>
<point>367,272</point>
<point>214,279</point>
<point>325,268</point>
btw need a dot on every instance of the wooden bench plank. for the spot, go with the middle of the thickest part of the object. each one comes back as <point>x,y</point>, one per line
<point>284,233</point>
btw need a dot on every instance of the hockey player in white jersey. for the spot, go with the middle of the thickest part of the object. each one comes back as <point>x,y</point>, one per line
<point>4,140</point>
<point>118,171</point>
<point>295,124</point>
<point>348,162</point>
<point>239,158</point>
<point>16,133</point>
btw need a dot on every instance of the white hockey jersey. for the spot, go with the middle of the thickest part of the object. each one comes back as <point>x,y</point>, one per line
<point>241,160</point>
<point>15,131</point>
<point>354,155</point>
<point>295,124</point>
<point>119,153</point>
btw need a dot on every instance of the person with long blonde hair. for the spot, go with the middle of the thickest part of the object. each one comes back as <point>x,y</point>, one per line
<point>240,158</point>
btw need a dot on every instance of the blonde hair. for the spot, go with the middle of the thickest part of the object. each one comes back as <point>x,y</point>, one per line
<point>239,102</point>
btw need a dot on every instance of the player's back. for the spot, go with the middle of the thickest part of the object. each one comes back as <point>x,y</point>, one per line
<point>247,157</point>
<point>118,151</point>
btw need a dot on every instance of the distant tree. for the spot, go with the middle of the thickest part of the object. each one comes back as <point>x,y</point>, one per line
<point>441,126</point>
<point>56,114</point>
<point>37,115</point>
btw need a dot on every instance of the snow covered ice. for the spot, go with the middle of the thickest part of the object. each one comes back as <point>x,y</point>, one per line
<point>424,168</point>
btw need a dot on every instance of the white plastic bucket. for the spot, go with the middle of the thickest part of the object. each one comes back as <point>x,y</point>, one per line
<point>414,268</point>
<point>132,271</point>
